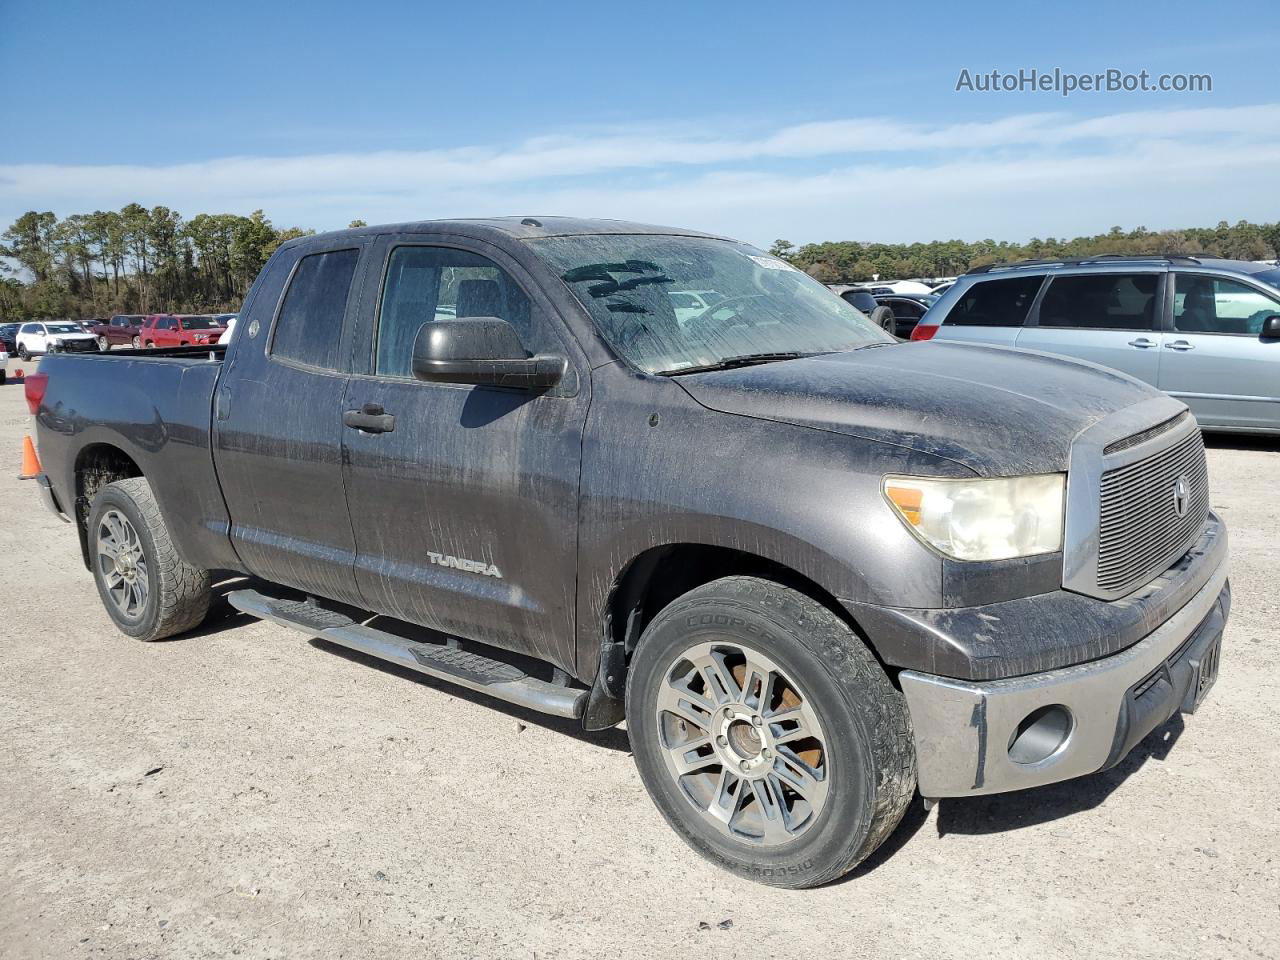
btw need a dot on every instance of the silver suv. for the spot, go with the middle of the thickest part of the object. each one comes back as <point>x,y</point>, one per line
<point>1205,330</point>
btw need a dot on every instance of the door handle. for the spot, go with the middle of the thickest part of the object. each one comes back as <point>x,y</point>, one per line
<point>370,418</point>
<point>1142,342</point>
<point>1180,345</point>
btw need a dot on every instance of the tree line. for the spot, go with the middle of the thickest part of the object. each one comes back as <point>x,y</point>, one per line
<point>140,260</point>
<point>848,261</point>
<point>132,260</point>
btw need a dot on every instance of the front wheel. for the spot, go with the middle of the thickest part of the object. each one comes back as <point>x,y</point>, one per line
<point>24,354</point>
<point>767,734</point>
<point>104,344</point>
<point>148,590</point>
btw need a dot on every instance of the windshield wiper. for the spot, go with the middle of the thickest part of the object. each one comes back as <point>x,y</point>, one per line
<point>730,363</point>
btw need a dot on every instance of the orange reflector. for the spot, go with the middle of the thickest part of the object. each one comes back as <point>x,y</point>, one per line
<point>907,500</point>
<point>30,462</point>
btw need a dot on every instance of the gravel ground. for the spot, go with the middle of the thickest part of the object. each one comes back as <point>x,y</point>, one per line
<point>245,792</point>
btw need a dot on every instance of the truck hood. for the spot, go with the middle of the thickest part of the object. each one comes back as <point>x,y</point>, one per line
<point>997,410</point>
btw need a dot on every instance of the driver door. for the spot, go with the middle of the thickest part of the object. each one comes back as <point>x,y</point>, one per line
<point>465,507</point>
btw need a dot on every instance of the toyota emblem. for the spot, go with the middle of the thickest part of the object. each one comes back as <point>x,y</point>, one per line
<point>1181,495</point>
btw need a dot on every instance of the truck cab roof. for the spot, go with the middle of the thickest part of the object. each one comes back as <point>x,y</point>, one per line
<point>497,229</point>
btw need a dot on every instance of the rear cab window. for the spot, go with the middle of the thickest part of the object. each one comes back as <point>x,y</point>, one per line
<point>308,327</point>
<point>1002,302</point>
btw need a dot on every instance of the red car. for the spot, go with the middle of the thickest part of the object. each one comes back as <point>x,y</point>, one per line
<point>122,328</point>
<point>180,330</point>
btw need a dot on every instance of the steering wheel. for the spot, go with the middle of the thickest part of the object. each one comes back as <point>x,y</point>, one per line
<point>717,307</point>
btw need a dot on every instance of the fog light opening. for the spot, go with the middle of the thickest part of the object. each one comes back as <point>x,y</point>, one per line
<point>1041,734</point>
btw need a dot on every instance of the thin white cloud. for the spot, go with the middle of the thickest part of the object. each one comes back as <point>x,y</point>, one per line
<point>884,178</point>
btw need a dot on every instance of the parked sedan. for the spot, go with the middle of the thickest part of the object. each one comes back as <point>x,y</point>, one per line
<point>186,330</point>
<point>9,337</point>
<point>63,336</point>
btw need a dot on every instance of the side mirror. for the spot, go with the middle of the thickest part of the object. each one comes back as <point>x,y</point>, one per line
<point>484,351</point>
<point>1271,328</point>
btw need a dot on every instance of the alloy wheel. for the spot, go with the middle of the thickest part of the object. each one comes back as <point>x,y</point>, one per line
<point>122,564</point>
<point>742,743</point>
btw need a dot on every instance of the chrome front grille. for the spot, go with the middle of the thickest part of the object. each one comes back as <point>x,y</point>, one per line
<point>1141,531</point>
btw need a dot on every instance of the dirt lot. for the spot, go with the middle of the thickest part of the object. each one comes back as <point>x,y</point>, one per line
<point>244,792</point>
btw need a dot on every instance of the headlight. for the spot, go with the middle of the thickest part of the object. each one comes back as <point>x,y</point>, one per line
<point>982,519</point>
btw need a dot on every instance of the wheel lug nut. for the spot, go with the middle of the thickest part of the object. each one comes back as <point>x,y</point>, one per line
<point>722,741</point>
<point>766,753</point>
<point>728,712</point>
<point>757,721</point>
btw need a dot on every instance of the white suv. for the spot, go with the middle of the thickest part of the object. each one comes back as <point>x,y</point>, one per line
<point>62,336</point>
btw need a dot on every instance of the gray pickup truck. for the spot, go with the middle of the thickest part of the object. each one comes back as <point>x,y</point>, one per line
<point>812,567</point>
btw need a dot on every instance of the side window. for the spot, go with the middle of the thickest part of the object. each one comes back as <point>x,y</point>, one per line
<point>1215,305</point>
<point>1101,301</point>
<point>995,303</point>
<point>906,309</point>
<point>425,284</point>
<point>309,327</point>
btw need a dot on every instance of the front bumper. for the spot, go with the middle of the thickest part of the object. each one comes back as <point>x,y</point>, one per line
<point>963,730</point>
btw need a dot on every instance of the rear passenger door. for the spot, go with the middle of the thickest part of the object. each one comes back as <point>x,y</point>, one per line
<point>1214,359</point>
<point>466,509</point>
<point>278,423</point>
<point>1108,318</point>
<point>991,311</point>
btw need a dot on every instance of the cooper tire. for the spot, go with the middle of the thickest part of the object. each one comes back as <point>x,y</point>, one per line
<point>168,596</point>
<point>867,755</point>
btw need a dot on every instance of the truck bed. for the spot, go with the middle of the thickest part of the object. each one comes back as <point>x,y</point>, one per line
<point>154,408</point>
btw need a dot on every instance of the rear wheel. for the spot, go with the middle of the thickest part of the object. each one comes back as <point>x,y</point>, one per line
<point>767,734</point>
<point>137,343</point>
<point>147,589</point>
<point>104,343</point>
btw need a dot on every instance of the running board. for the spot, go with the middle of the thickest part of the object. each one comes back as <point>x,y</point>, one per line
<point>444,662</point>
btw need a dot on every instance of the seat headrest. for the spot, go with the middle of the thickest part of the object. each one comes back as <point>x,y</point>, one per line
<point>480,298</point>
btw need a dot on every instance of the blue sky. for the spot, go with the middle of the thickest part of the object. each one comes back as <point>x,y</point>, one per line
<point>762,120</point>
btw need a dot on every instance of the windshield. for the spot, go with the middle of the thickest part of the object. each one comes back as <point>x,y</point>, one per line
<point>198,323</point>
<point>63,328</point>
<point>1270,277</point>
<point>668,304</point>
